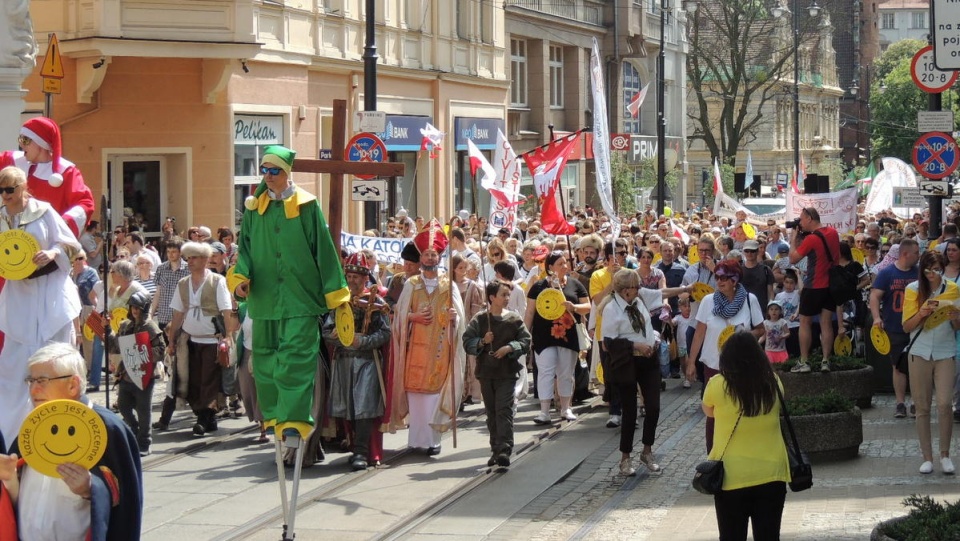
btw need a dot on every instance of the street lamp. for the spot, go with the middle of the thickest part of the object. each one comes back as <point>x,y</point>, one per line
<point>779,11</point>
<point>691,7</point>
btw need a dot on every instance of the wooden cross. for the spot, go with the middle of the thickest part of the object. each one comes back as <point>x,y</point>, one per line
<point>337,167</point>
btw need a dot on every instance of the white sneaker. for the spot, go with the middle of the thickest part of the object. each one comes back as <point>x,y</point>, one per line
<point>627,469</point>
<point>946,465</point>
<point>801,367</point>
<point>568,415</point>
<point>686,384</point>
<point>613,422</point>
<point>927,467</point>
<point>542,418</point>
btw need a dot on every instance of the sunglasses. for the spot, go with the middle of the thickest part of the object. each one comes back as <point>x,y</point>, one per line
<point>496,254</point>
<point>654,242</point>
<point>723,278</point>
<point>24,141</point>
<point>621,253</point>
<point>749,251</point>
<point>10,190</point>
<point>270,170</point>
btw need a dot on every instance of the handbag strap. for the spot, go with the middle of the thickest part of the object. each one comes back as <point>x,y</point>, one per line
<point>786,416</point>
<point>731,434</point>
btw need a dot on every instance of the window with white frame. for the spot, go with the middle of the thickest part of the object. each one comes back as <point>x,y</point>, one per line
<point>251,134</point>
<point>631,87</point>
<point>919,19</point>
<point>518,72</point>
<point>887,21</point>
<point>556,76</point>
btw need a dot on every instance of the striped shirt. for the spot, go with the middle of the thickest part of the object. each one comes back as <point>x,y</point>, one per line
<point>166,279</point>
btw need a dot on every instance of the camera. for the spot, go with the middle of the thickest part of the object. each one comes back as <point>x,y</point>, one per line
<point>171,219</point>
<point>793,224</point>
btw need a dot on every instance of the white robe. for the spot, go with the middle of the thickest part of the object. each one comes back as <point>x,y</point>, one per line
<point>34,312</point>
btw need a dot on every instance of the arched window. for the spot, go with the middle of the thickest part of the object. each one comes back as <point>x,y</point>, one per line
<point>631,87</point>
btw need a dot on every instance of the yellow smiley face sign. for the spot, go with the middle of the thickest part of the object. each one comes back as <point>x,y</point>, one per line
<point>858,255</point>
<point>881,342</point>
<point>62,432</point>
<point>700,290</point>
<point>939,317</point>
<point>346,331</point>
<point>550,304</point>
<point>117,316</point>
<point>17,249</point>
<point>842,345</point>
<point>725,335</point>
<point>88,334</point>
<point>693,255</point>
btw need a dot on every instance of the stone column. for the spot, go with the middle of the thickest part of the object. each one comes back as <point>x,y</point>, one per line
<point>18,52</point>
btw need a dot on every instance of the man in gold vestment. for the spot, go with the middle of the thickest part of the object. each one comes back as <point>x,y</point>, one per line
<point>428,362</point>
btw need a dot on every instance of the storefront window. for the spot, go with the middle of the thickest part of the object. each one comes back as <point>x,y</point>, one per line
<point>251,134</point>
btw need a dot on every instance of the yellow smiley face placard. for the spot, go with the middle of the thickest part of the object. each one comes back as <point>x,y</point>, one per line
<point>700,290</point>
<point>881,342</point>
<point>693,255</point>
<point>117,316</point>
<point>17,249</point>
<point>858,255</point>
<point>62,432</point>
<point>725,335</point>
<point>939,317</point>
<point>842,345</point>
<point>550,304</point>
<point>346,330</point>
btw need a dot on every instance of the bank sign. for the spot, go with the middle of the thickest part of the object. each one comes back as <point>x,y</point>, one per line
<point>644,147</point>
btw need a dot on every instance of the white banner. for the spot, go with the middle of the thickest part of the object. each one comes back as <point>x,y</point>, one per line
<point>508,175</point>
<point>601,141</point>
<point>837,209</point>
<point>386,249</point>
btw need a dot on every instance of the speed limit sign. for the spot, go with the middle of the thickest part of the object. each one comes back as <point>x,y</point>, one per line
<point>926,75</point>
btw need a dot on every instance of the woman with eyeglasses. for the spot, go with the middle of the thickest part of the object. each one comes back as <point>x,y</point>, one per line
<point>630,342</point>
<point>496,252</point>
<point>932,356</point>
<point>555,341</point>
<point>729,309</point>
<point>39,300</point>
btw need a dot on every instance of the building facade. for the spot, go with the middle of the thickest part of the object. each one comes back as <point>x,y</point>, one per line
<point>902,19</point>
<point>167,104</point>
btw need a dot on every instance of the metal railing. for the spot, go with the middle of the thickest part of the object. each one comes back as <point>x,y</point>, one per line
<point>586,11</point>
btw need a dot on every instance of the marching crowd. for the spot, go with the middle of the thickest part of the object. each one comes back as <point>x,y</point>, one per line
<point>325,350</point>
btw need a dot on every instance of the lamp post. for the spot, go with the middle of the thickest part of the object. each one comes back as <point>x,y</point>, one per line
<point>691,7</point>
<point>778,11</point>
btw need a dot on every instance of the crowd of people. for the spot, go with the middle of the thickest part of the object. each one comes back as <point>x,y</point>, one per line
<point>256,322</point>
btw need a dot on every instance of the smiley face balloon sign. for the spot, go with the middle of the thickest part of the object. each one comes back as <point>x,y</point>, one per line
<point>62,432</point>
<point>17,249</point>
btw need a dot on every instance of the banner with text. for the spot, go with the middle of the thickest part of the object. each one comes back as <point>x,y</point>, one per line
<point>837,209</point>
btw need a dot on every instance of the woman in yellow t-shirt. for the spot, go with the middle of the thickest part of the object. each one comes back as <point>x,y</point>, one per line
<point>743,400</point>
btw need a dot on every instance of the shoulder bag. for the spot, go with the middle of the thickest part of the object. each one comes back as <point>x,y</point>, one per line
<point>709,476</point>
<point>801,474</point>
<point>843,285</point>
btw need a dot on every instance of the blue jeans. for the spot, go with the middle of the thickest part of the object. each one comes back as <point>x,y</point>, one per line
<point>96,368</point>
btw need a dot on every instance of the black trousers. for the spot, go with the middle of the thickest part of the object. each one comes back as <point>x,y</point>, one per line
<point>498,403</point>
<point>647,371</point>
<point>762,505</point>
<point>132,399</point>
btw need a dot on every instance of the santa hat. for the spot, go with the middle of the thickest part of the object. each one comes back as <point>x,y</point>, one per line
<point>357,263</point>
<point>46,134</point>
<point>431,237</point>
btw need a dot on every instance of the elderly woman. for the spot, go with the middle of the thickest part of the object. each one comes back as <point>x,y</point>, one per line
<point>630,340</point>
<point>145,273</point>
<point>471,293</point>
<point>36,306</point>
<point>729,309</point>
<point>555,342</point>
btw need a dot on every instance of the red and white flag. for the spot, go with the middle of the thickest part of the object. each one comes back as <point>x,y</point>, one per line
<point>137,356</point>
<point>478,162</point>
<point>637,101</point>
<point>679,233</point>
<point>505,198</point>
<point>717,179</point>
<point>432,137</point>
<point>546,164</point>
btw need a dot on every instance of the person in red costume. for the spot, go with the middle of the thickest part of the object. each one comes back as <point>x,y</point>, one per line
<point>50,177</point>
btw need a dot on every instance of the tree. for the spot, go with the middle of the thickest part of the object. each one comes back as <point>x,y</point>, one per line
<point>740,58</point>
<point>895,101</point>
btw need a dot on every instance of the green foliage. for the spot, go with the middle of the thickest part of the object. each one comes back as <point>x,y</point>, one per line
<point>726,178</point>
<point>929,520</point>
<point>838,363</point>
<point>830,401</point>
<point>646,177</point>
<point>895,101</point>
<point>623,184</point>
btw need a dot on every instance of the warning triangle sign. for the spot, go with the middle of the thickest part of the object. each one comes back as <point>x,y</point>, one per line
<point>52,64</point>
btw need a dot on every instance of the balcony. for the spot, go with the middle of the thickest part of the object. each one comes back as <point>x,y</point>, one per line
<point>581,11</point>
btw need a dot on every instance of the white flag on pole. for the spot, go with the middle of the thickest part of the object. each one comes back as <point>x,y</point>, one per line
<point>601,141</point>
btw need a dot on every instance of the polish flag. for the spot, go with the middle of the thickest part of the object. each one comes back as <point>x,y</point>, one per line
<point>717,179</point>
<point>432,137</point>
<point>546,163</point>
<point>679,232</point>
<point>637,101</point>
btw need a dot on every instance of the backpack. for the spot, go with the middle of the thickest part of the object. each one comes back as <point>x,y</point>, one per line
<point>843,284</point>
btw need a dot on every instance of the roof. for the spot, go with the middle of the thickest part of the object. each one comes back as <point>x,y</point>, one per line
<point>904,4</point>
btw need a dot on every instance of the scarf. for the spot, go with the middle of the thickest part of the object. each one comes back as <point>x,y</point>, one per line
<point>637,321</point>
<point>726,308</point>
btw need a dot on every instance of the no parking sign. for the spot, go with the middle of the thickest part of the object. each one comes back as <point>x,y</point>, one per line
<point>935,155</point>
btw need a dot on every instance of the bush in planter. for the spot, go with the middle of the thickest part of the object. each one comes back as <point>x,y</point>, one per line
<point>838,363</point>
<point>830,401</point>
<point>928,521</point>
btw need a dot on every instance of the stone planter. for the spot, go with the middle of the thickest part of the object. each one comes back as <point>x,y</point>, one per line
<point>877,533</point>
<point>830,436</point>
<point>857,385</point>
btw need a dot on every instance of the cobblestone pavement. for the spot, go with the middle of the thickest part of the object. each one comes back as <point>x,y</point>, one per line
<point>848,499</point>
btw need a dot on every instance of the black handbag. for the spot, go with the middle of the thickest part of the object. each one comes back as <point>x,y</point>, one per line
<point>801,473</point>
<point>708,478</point>
<point>843,284</point>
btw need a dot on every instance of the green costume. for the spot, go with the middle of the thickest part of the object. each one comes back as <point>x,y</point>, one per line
<point>294,273</point>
